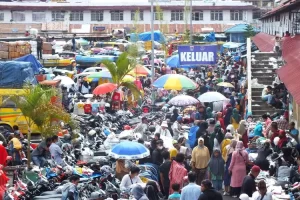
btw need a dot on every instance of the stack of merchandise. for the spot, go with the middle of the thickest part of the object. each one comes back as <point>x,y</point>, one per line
<point>11,50</point>
<point>4,50</point>
<point>47,48</point>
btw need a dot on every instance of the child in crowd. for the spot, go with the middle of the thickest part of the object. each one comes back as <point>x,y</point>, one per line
<point>176,194</point>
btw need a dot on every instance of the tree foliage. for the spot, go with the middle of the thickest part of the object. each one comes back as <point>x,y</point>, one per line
<point>249,31</point>
<point>37,108</point>
<point>120,69</point>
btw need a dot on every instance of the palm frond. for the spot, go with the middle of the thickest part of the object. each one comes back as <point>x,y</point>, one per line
<point>112,68</point>
<point>132,87</point>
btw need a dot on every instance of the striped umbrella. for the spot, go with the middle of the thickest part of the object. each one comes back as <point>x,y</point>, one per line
<point>175,82</point>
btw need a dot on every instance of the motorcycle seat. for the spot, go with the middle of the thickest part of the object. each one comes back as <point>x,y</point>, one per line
<point>53,196</point>
<point>49,193</point>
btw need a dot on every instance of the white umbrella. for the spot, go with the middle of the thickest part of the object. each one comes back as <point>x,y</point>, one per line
<point>211,97</point>
<point>65,80</point>
<point>183,100</point>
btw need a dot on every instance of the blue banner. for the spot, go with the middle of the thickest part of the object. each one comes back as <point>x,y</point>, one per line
<point>198,55</point>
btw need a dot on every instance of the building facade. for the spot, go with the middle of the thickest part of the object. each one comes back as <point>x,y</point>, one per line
<point>86,16</point>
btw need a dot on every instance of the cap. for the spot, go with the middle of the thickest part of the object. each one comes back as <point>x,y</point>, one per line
<point>164,124</point>
<point>244,197</point>
<point>179,118</point>
<point>201,139</point>
<point>255,168</point>
<point>174,142</point>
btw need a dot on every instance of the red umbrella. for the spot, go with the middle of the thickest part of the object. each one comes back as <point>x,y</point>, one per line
<point>104,88</point>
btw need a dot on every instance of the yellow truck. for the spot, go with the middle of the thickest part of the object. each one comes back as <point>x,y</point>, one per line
<point>10,115</point>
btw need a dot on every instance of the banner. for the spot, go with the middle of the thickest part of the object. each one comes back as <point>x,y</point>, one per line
<point>198,55</point>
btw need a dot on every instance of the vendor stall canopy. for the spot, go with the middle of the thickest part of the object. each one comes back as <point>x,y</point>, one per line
<point>35,64</point>
<point>146,36</point>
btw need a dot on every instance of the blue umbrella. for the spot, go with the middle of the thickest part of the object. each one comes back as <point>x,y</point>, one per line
<point>173,61</point>
<point>129,150</point>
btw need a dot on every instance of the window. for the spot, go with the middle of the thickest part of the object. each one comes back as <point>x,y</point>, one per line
<point>18,16</point>
<point>236,15</point>
<point>216,15</point>
<point>76,16</point>
<point>7,102</point>
<point>1,16</point>
<point>137,15</point>
<point>38,16</point>
<point>58,16</point>
<point>97,16</point>
<point>257,14</point>
<point>158,16</point>
<point>176,15</point>
<point>116,15</point>
<point>198,16</point>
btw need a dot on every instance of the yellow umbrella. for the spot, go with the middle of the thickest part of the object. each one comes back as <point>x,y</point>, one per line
<point>225,84</point>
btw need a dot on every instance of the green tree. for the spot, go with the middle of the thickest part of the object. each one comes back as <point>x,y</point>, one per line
<point>37,108</point>
<point>249,31</point>
<point>120,69</point>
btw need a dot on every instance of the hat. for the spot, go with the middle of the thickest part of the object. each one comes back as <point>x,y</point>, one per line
<point>201,139</point>
<point>255,168</point>
<point>244,197</point>
<point>179,118</point>
<point>174,142</point>
<point>164,124</point>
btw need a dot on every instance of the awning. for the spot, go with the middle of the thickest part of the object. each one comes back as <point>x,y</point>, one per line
<point>291,50</point>
<point>289,75</point>
<point>264,42</point>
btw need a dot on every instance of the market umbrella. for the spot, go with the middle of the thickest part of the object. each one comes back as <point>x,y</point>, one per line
<point>140,70</point>
<point>211,97</point>
<point>175,82</point>
<point>225,84</point>
<point>98,75</point>
<point>104,88</point>
<point>65,80</point>
<point>173,61</point>
<point>129,150</point>
<point>183,100</point>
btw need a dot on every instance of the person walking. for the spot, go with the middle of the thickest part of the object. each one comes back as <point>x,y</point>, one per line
<point>39,47</point>
<point>200,159</point>
<point>209,193</point>
<point>237,169</point>
<point>192,190</point>
<point>74,43</point>
<point>227,176</point>
<point>177,171</point>
<point>164,170</point>
<point>249,185</point>
<point>216,169</point>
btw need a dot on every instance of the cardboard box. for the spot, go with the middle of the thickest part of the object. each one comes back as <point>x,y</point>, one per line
<point>12,48</point>
<point>47,46</point>
<point>3,46</point>
<point>3,54</point>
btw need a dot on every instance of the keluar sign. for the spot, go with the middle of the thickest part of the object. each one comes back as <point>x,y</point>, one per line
<point>197,55</point>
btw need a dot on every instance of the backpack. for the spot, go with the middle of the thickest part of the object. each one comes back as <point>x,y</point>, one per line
<point>192,135</point>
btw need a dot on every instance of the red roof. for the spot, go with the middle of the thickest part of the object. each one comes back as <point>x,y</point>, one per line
<point>264,42</point>
<point>290,73</point>
<point>280,7</point>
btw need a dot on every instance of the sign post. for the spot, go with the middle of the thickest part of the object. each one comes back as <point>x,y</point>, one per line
<point>197,55</point>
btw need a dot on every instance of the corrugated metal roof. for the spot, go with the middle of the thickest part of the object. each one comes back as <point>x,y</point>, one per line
<point>290,73</point>
<point>264,42</point>
<point>281,7</point>
<point>239,28</point>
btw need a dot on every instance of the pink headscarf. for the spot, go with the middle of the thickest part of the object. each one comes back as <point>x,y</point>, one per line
<point>239,146</point>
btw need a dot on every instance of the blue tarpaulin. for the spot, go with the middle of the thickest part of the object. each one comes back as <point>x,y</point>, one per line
<point>35,64</point>
<point>13,74</point>
<point>146,36</point>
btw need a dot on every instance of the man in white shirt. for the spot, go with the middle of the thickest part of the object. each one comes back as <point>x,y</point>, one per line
<point>56,152</point>
<point>266,94</point>
<point>262,193</point>
<point>177,129</point>
<point>131,179</point>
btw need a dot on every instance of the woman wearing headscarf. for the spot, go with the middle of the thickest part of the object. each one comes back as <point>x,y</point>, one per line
<point>216,169</point>
<point>237,168</point>
<point>235,118</point>
<point>232,101</point>
<point>258,130</point>
<point>227,117</point>
<point>209,113</point>
<point>202,132</point>
<point>227,177</point>
<point>121,170</point>
<point>242,130</point>
<point>211,126</point>
<point>152,191</point>
<point>283,140</point>
<point>218,135</point>
<point>220,119</point>
<point>138,193</point>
